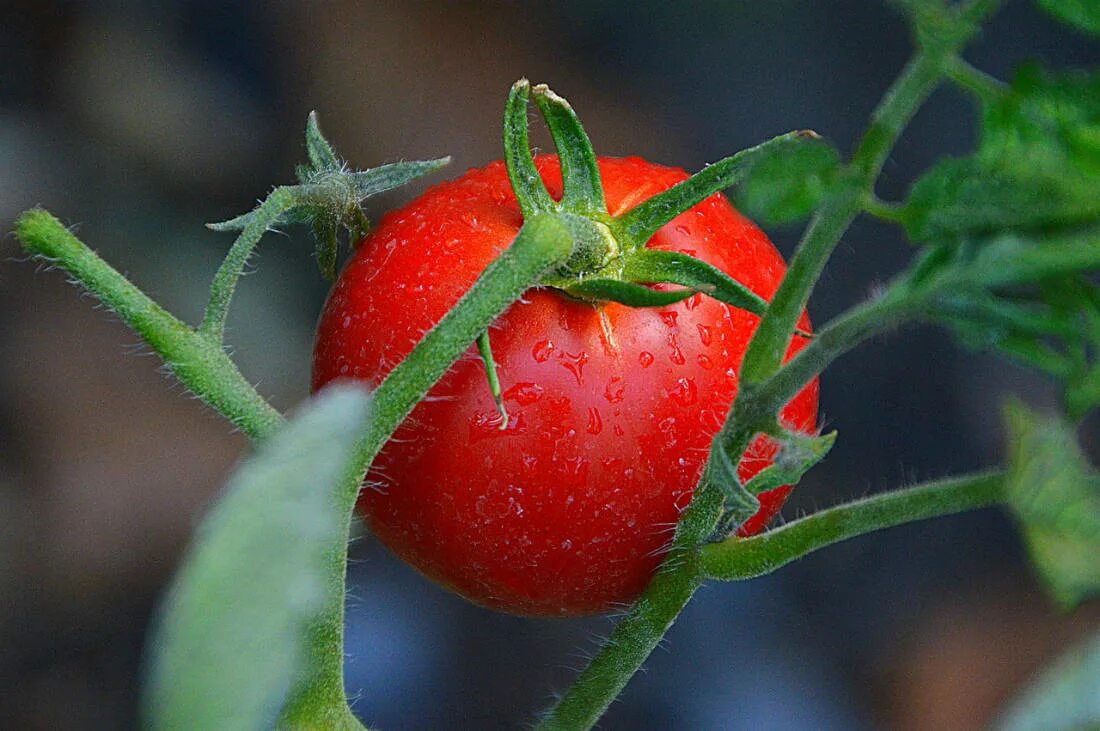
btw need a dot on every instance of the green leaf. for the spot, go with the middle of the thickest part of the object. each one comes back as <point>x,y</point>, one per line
<point>1037,167</point>
<point>232,637</point>
<point>638,224</point>
<point>1055,496</point>
<point>672,267</point>
<point>797,454</point>
<point>527,185</point>
<point>1065,695</point>
<point>582,189</point>
<point>787,183</point>
<point>1082,14</point>
<point>321,154</point>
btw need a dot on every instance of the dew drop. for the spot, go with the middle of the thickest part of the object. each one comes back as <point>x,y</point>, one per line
<point>524,393</point>
<point>542,350</point>
<point>669,318</point>
<point>595,423</point>
<point>614,390</point>
<point>675,355</point>
<point>683,230</point>
<point>618,430</point>
<point>574,363</point>
<point>704,334</point>
<point>705,362</point>
<point>693,301</point>
<point>645,358</point>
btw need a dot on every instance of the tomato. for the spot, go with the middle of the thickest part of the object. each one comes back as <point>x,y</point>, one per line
<point>570,508</point>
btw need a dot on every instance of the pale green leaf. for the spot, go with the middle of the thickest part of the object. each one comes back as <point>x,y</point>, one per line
<point>232,636</point>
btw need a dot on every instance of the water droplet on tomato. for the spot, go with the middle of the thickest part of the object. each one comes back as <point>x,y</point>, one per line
<point>574,363</point>
<point>704,334</point>
<point>613,392</point>
<point>542,350</point>
<point>683,230</point>
<point>669,318</point>
<point>685,391</point>
<point>645,358</point>
<point>595,423</point>
<point>486,425</point>
<point>524,393</point>
<point>693,301</point>
<point>618,430</point>
<point>675,355</point>
<point>705,362</point>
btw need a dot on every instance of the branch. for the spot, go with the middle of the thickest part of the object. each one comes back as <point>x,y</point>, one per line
<point>745,558</point>
<point>198,362</point>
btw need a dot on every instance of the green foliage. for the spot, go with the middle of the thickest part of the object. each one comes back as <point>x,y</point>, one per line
<point>1037,167</point>
<point>234,633</point>
<point>1082,14</point>
<point>787,183</point>
<point>1064,697</point>
<point>1055,496</point>
<point>1014,226</point>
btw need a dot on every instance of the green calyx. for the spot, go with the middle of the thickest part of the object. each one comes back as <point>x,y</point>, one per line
<point>610,262</point>
<point>329,196</point>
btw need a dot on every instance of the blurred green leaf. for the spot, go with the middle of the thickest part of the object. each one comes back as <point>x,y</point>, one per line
<point>232,635</point>
<point>1055,496</point>
<point>1083,14</point>
<point>1064,696</point>
<point>1037,166</point>
<point>788,182</point>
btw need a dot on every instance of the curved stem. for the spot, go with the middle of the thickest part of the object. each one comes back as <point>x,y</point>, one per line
<point>279,202</point>
<point>198,362</point>
<point>629,645</point>
<point>834,340</point>
<point>769,344</point>
<point>745,558</point>
<point>542,244</point>
<point>982,85</point>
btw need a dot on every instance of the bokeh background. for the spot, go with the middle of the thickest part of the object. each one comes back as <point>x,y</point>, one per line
<point>138,121</point>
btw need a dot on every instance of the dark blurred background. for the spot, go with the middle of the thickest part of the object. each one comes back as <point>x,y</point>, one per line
<point>138,121</point>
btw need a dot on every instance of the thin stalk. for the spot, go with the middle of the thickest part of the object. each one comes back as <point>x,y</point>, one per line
<point>769,344</point>
<point>197,361</point>
<point>229,272</point>
<point>736,559</point>
<point>982,85</point>
<point>541,245</point>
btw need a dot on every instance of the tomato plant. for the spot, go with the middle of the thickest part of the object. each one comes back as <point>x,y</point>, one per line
<point>567,506</point>
<point>659,380</point>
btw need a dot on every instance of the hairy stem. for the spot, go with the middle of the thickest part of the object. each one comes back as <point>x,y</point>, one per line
<point>542,244</point>
<point>197,361</point>
<point>229,273</point>
<point>745,558</point>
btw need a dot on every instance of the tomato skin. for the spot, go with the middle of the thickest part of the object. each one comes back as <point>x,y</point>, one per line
<point>569,510</point>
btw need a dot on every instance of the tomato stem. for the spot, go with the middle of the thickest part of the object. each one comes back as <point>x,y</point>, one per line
<point>736,559</point>
<point>198,362</point>
<point>485,350</point>
<point>541,244</point>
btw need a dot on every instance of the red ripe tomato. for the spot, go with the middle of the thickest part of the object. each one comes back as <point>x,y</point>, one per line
<point>569,509</point>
